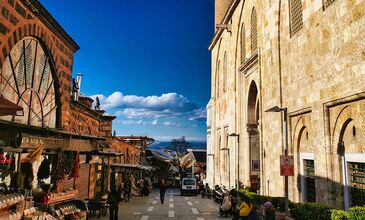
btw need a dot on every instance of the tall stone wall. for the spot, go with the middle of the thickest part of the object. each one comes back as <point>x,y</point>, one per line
<point>317,73</point>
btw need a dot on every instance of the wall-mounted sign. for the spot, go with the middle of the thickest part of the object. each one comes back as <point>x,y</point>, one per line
<point>255,165</point>
<point>286,165</point>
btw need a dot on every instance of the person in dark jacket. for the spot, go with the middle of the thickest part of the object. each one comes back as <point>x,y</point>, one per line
<point>113,201</point>
<point>163,187</point>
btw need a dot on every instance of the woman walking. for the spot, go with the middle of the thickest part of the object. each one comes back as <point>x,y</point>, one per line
<point>162,191</point>
<point>245,208</point>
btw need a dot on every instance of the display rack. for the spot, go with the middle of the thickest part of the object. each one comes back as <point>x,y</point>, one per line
<point>60,197</point>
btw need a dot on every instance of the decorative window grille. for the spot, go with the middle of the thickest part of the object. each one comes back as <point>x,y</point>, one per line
<point>42,64</point>
<point>20,78</point>
<point>218,70</point>
<point>45,82</point>
<point>310,182</point>
<point>243,44</point>
<point>28,65</point>
<point>225,72</point>
<point>296,16</point>
<point>327,3</point>
<point>253,31</point>
<point>357,183</point>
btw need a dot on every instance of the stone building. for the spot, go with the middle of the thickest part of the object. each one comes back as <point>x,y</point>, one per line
<point>304,55</point>
<point>36,59</point>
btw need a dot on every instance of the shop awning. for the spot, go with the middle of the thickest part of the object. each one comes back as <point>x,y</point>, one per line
<point>9,108</point>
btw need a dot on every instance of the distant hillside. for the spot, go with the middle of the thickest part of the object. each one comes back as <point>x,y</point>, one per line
<point>158,145</point>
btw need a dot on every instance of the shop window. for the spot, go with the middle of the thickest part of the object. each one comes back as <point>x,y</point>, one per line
<point>357,183</point>
<point>309,181</point>
<point>253,31</point>
<point>296,16</point>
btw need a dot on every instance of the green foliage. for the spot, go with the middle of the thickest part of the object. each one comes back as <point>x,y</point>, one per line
<point>304,211</point>
<point>339,215</point>
<point>357,213</point>
<point>179,145</point>
<point>258,200</point>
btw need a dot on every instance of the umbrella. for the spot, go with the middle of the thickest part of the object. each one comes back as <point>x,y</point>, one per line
<point>9,108</point>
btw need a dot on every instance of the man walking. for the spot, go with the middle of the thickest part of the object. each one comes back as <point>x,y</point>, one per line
<point>162,191</point>
<point>113,201</point>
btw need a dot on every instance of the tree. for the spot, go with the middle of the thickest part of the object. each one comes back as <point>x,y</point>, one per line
<point>180,146</point>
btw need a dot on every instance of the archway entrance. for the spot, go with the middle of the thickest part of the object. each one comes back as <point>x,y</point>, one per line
<point>253,117</point>
<point>352,163</point>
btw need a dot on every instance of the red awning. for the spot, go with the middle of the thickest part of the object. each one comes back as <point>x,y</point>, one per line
<point>9,108</point>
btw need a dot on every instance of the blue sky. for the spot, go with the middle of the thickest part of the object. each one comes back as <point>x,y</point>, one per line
<point>146,60</point>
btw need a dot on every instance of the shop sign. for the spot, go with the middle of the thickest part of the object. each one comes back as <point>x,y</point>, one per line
<point>286,165</point>
<point>34,142</point>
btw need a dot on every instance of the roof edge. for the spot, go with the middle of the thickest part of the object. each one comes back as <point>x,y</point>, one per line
<point>227,16</point>
<point>42,13</point>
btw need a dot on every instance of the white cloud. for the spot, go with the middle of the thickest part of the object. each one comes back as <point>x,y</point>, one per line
<point>169,138</point>
<point>167,101</point>
<point>153,123</point>
<point>166,106</point>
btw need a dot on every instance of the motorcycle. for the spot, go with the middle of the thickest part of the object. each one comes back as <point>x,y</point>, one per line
<point>218,193</point>
<point>206,192</point>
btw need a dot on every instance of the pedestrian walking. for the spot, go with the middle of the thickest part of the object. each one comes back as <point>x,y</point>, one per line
<point>269,212</point>
<point>162,191</point>
<point>245,208</point>
<point>113,201</point>
<point>127,189</point>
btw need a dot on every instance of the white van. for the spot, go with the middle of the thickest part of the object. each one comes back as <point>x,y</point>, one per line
<point>188,186</point>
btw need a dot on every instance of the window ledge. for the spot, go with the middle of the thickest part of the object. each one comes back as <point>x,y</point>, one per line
<point>250,62</point>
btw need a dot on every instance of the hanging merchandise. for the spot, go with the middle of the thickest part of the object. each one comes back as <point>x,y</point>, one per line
<point>44,169</point>
<point>75,172</point>
<point>59,172</point>
<point>35,155</point>
<point>7,165</point>
<point>26,176</point>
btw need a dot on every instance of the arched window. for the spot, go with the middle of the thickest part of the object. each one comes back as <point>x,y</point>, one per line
<point>253,31</point>
<point>296,16</point>
<point>225,72</point>
<point>243,44</point>
<point>218,73</point>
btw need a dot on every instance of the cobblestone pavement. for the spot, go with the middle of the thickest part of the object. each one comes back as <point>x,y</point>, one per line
<point>174,207</point>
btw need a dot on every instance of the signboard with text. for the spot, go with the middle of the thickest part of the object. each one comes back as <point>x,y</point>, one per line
<point>286,165</point>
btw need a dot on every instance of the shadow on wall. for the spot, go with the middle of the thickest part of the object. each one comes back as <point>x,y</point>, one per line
<point>331,193</point>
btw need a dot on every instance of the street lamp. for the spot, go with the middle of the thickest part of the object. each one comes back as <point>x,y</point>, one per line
<point>238,158</point>
<point>285,110</point>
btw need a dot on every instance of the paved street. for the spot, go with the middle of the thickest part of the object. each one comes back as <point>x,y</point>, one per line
<point>175,206</point>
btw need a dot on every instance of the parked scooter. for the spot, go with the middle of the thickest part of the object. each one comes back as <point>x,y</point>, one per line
<point>218,193</point>
<point>206,192</point>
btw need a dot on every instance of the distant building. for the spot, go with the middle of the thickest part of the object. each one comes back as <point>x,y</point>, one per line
<point>303,55</point>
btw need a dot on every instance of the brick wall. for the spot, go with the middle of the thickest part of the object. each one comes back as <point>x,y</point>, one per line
<point>18,19</point>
